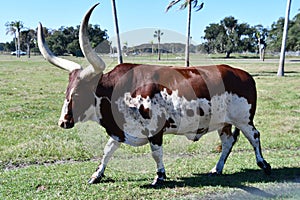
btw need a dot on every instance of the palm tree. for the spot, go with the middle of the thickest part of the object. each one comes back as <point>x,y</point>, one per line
<point>280,71</point>
<point>15,29</point>
<point>12,31</point>
<point>158,34</point>
<point>120,58</point>
<point>187,4</point>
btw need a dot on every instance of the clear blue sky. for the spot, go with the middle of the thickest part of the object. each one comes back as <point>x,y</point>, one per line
<point>139,14</point>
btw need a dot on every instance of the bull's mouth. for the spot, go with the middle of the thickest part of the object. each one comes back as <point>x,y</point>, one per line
<point>66,124</point>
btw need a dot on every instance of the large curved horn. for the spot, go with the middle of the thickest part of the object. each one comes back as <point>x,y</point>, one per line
<point>48,55</point>
<point>97,63</point>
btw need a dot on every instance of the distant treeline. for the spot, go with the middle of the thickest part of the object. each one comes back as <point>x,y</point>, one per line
<point>227,36</point>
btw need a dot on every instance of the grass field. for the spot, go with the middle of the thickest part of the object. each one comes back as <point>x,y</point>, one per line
<point>39,160</point>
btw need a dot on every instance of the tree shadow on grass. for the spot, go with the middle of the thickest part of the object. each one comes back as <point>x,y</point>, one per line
<point>237,180</point>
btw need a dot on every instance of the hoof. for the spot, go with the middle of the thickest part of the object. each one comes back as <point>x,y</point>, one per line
<point>157,182</point>
<point>267,169</point>
<point>214,174</point>
<point>95,179</point>
<point>159,179</point>
<point>265,166</point>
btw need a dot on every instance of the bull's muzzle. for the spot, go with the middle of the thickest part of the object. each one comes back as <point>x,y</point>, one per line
<point>66,124</point>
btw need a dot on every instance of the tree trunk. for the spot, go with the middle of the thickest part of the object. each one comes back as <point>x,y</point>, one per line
<point>227,54</point>
<point>18,51</point>
<point>280,71</point>
<point>16,43</point>
<point>188,35</point>
<point>158,47</point>
<point>28,50</point>
<point>120,58</point>
<point>259,48</point>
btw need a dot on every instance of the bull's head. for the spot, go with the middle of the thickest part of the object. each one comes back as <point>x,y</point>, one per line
<point>80,92</point>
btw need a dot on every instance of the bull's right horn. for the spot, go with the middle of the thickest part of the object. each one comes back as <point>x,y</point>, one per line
<point>96,62</point>
<point>48,55</point>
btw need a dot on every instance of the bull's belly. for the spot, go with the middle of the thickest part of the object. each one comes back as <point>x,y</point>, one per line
<point>176,115</point>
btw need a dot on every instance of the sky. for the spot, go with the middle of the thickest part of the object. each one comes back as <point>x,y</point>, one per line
<point>139,18</point>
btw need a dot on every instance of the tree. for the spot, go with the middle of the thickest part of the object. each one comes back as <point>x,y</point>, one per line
<point>215,36</point>
<point>275,35</point>
<point>187,4</point>
<point>120,58</point>
<point>230,24</point>
<point>28,37</point>
<point>229,36</point>
<point>280,71</point>
<point>158,34</point>
<point>14,28</point>
<point>293,42</point>
<point>65,39</point>
<point>12,31</point>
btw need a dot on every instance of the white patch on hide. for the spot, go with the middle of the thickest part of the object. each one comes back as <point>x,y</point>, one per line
<point>191,118</point>
<point>97,108</point>
<point>135,141</point>
<point>93,112</point>
<point>89,114</point>
<point>64,111</point>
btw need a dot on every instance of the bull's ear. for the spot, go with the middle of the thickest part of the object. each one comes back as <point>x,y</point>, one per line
<point>50,57</point>
<point>97,64</point>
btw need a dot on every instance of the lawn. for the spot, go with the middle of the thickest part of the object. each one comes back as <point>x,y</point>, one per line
<point>39,160</point>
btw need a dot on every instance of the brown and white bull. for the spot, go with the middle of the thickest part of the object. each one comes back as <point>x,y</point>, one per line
<point>137,104</point>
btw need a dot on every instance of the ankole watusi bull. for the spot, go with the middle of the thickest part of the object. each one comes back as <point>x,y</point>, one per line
<point>137,104</point>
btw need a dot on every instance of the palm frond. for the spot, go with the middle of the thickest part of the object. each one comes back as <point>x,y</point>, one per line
<point>184,5</point>
<point>171,4</point>
<point>200,7</point>
<point>195,3</point>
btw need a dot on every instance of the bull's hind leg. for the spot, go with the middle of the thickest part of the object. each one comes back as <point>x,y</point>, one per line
<point>253,135</point>
<point>228,139</point>
<point>110,147</point>
<point>157,154</point>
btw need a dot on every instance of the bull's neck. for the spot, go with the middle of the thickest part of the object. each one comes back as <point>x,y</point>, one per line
<point>105,87</point>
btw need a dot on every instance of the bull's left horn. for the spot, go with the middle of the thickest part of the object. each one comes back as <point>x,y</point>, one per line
<point>97,63</point>
<point>48,55</point>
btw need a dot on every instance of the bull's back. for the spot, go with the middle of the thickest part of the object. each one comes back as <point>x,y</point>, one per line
<point>189,82</point>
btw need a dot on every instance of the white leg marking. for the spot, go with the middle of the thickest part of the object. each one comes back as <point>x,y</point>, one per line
<point>254,138</point>
<point>110,147</point>
<point>157,154</point>
<point>227,143</point>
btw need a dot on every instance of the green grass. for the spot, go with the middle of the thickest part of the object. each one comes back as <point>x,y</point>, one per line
<point>39,160</point>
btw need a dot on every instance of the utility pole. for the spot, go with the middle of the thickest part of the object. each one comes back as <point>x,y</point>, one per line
<point>280,71</point>
<point>120,58</point>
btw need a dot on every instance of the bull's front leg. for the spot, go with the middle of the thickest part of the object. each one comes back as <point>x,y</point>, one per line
<point>157,154</point>
<point>110,147</point>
